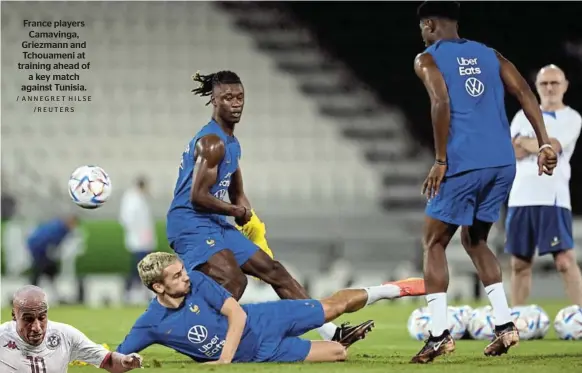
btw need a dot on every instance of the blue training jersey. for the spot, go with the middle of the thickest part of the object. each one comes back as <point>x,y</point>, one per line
<point>197,328</point>
<point>479,135</point>
<point>47,235</point>
<point>182,216</point>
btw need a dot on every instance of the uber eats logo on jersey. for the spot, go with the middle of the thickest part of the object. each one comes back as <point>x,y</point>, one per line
<point>198,334</point>
<point>468,67</point>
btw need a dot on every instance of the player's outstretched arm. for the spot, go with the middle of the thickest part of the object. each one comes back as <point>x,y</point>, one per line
<point>209,153</point>
<point>85,350</point>
<point>427,70</point>
<point>119,363</point>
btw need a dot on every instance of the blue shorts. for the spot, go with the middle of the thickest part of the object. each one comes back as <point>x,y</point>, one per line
<point>549,228</point>
<point>196,248</point>
<point>281,323</point>
<point>472,195</point>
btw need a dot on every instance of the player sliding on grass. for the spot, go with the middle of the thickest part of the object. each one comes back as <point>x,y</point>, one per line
<point>195,316</point>
<point>30,343</point>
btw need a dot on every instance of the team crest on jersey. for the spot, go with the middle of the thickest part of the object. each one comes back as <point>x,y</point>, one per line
<point>53,341</point>
<point>210,242</point>
<point>194,309</point>
<point>11,345</point>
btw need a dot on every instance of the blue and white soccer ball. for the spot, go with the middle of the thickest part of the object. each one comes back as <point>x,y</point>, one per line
<point>525,319</point>
<point>457,325</point>
<point>543,321</point>
<point>419,323</point>
<point>482,324</point>
<point>568,323</point>
<point>89,187</point>
<point>466,311</point>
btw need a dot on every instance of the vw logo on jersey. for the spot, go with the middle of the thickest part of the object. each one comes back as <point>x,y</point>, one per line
<point>197,334</point>
<point>474,87</point>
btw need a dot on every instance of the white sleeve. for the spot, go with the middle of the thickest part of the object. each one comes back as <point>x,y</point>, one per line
<point>127,209</point>
<point>568,135</point>
<point>518,123</point>
<point>84,349</point>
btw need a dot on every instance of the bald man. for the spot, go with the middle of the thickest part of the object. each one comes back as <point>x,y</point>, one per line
<point>30,343</point>
<point>539,214</point>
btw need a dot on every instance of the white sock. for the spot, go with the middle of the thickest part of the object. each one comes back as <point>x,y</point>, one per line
<point>326,331</point>
<point>498,301</point>
<point>437,305</point>
<point>388,291</point>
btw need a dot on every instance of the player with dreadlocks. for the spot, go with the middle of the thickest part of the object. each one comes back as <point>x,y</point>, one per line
<point>197,228</point>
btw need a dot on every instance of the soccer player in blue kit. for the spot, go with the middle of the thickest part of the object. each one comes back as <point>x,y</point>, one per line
<point>474,164</point>
<point>195,316</point>
<point>197,228</point>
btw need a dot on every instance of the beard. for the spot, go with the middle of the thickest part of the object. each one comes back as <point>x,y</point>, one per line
<point>179,293</point>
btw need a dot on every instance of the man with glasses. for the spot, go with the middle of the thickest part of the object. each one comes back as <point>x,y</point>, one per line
<point>539,213</point>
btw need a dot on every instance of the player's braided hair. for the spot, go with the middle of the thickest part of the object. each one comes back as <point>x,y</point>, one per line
<point>207,82</point>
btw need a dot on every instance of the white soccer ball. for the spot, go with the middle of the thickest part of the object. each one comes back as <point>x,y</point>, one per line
<point>525,319</point>
<point>89,187</point>
<point>465,312</point>
<point>543,321</point>
<point>457,326</point>
<point>419,323</point>
<point>568,323</point>
<point>482,324</point>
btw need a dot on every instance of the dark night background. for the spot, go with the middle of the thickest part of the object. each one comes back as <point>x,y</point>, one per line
<point>380,40</point>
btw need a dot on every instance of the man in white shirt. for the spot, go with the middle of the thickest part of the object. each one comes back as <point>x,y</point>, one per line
<point>539,213</point>
<point>30,343</point>
<point>139,227</point>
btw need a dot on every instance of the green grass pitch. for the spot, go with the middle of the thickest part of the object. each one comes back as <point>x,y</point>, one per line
<point>388,348</point>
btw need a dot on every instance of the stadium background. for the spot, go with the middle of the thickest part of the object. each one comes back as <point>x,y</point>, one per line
<point>336,131</point>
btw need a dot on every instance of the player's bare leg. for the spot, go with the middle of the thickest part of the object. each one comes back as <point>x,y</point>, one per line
<point>521,275</point>
<point>326,351</point>
<point>352,300</point>
<point>436,237</point>
<point>223,268</point>
<point>568,267</point>
<point>274,273</point>
<point>474,240</point>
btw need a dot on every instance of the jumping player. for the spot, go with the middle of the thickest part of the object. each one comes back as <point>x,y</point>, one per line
<point>474,164</point>
<point>195,316</point>
<point>197,228</point>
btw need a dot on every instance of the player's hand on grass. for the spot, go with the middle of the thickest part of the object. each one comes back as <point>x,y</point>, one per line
<point>432,183</point>
<point>131,361</point>
<point>547,161</point>
<point>218,362</point>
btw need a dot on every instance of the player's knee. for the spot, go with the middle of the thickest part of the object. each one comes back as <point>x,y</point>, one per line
<point>332,309</point>
<point>565,260</point>
<point>469,240</point>
<point>340,353</point>
<point>466,240</point>
<point>520,266</point>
